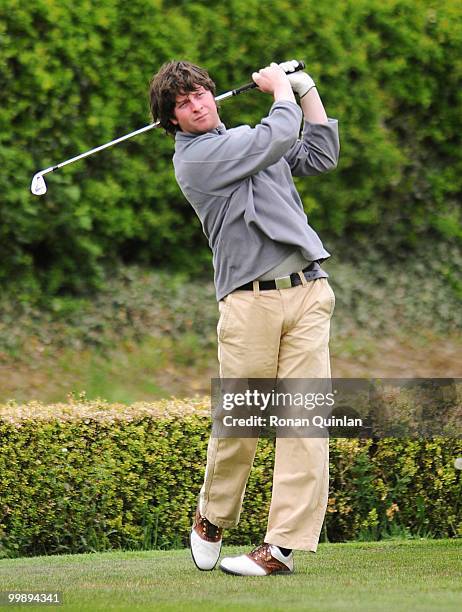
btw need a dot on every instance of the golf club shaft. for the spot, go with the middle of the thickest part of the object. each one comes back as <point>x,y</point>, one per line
<point>228,94</point>
<point>101,147</point>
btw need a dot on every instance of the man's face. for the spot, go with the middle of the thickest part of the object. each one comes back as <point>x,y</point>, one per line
<point>196,112</point>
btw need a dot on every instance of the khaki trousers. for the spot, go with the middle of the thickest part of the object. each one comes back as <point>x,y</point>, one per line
<point>281,333</point>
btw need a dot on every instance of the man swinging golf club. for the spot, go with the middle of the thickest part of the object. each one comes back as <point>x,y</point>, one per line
<point>274,298</point>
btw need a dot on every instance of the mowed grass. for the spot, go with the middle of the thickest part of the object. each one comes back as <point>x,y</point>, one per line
<point>414,575</point>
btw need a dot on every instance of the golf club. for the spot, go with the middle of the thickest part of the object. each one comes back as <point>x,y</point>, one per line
<point>38,185</point>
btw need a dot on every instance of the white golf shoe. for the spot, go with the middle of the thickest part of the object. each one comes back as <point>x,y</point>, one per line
<point>205,541</point>
<point>262,561</point>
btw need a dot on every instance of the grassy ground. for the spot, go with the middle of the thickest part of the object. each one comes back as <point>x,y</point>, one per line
<point>149,335</point>
<point>153,368</point>
<point>417,576</point>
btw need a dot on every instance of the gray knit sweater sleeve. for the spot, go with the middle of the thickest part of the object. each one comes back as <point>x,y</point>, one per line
<point>222,163</point>
<point>317,151</point>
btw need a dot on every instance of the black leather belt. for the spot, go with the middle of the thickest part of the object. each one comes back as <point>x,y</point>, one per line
<point>280,283</point>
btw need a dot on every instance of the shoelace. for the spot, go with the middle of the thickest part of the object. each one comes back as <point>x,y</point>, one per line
<point>211,531</point>
<point>262,552</point>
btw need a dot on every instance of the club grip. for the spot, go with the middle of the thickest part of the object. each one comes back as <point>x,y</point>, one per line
<point>299,66</point>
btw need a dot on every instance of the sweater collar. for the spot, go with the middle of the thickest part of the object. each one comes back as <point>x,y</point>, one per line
<point>220,129</point>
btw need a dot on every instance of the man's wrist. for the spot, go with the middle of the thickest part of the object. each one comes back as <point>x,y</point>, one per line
<point>308,91</point>
<point>284,92</point>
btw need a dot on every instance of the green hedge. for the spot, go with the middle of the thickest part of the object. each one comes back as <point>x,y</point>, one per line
<point>89,476</point>
<point>74,74</point>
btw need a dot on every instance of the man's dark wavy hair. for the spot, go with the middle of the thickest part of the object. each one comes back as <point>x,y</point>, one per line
<point>173,79</point>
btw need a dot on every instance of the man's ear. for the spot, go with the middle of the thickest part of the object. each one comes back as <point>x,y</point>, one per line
<point>173,120</point>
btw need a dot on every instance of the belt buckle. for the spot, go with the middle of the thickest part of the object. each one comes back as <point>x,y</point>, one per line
<point>284,282</point>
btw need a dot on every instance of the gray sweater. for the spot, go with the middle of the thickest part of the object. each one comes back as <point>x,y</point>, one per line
<point>239,182</point>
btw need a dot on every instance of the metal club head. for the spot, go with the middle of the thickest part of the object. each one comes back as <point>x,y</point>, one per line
<point>38,185</point>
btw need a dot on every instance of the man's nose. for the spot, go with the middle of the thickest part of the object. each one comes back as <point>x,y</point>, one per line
<point>196,104</point>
